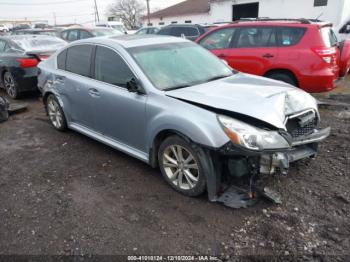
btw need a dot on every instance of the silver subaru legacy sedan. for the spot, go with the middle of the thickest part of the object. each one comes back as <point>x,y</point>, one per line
<point>174,105</point>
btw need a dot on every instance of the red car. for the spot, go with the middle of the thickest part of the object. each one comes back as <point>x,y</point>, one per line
<point>301,52</point>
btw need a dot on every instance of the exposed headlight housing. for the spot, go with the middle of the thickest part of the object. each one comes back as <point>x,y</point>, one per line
<point>251,137</point>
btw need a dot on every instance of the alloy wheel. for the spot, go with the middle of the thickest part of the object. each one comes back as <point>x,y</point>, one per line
<point>10,85</point>
<point>55,114</point>
<point>181,167</point>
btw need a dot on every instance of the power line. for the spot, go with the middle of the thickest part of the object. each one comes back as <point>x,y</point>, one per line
<point>44,3</point>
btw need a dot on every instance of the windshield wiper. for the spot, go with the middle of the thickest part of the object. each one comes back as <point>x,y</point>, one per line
<point>216,78</point>
<point>176,87</point>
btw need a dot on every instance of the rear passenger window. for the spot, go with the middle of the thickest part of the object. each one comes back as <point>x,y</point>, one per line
<point>79,59</point>
<point>220,39</point>
<point>111,68</point>
<point>256,37</point>
<point>186,31</point>
<point>290,36</point>
<point>61,60</point>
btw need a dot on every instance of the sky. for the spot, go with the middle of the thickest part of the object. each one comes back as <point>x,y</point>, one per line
<point>66,11</point>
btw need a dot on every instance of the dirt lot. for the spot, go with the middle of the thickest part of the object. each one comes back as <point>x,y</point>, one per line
<point>63,193</point>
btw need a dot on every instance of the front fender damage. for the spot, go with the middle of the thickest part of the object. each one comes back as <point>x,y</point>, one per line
<point>235,176</point>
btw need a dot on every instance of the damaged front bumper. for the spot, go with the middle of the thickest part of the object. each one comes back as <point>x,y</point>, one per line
<point>237,162</point>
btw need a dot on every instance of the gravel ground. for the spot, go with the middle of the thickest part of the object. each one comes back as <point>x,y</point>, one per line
<point>65,194</point>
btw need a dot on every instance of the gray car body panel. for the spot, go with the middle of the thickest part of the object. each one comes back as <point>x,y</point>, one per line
<point>130,122</point>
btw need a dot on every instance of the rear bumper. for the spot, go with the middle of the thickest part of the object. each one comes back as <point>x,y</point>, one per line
<point>26,78</point>
<point>318,83</point>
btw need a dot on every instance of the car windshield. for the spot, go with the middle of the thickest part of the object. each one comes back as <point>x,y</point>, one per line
<point>105,32</point>
<point>179,65</point>
<point>39,43</point>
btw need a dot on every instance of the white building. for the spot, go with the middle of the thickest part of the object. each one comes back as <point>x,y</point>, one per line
<point>212,11</point>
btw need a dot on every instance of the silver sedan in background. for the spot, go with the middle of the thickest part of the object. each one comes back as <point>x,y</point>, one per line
<point>174,105</point>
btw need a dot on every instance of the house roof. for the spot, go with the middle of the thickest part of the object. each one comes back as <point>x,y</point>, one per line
<point>184,8</point>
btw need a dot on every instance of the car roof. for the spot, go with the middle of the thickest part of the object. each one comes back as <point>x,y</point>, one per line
<point>182,25</point>
<point>128,41</point>
<point>279,22</point>
<point>19,37</point>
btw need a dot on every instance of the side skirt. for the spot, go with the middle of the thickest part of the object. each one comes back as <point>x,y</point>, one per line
<point>110,142</point>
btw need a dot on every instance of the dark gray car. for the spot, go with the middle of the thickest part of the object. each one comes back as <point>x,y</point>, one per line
<point>172,104</point>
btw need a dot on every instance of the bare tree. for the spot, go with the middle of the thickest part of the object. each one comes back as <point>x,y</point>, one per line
<point>130,11</point>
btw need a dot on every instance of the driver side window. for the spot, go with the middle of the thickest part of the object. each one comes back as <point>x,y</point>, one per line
<point>111,68</point>
<point>220,39</point>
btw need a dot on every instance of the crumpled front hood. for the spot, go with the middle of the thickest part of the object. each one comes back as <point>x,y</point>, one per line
<point>261,98</point>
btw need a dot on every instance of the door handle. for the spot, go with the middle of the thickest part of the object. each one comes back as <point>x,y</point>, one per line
<point>268,56</point>
<point>94,92</point>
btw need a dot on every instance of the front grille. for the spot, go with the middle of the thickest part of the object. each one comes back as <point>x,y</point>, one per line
<point>302,125</point>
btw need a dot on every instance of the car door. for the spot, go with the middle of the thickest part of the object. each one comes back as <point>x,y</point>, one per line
<point>119,113</point>
<point>254,49</point>
<point>219,43</point>
<point>75,86</point>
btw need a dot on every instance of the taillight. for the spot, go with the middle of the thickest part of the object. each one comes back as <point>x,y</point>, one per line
<point>328,55</point>
<point>28,62</point>
<point>43,57</point>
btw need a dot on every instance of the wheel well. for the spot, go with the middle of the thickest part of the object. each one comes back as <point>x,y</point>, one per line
<point>46,96</point>
<point>282,71</point>
<point>160,137</point>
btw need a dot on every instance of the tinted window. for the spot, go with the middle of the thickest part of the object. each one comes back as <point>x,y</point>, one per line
<point>73,35</point>
<point>256,37</point>
<point>79,59</point>
<point>187,31</point>
<point>290,36</point>
<point>111,68</point>
<point>345,29</point>
<point>61,60</point>
<point>219,39</point>
<point>164,31</point>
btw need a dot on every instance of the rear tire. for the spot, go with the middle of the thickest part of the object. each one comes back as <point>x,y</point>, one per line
<point>11,86</point>
<point>284,77</point>
<point>55,112</point>
<point>181,167</point>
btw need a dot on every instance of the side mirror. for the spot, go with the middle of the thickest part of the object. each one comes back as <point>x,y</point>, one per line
<point>134,86</point>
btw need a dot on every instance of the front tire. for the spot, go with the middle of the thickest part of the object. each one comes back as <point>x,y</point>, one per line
<point>181,166</point>
<point>55,112</point>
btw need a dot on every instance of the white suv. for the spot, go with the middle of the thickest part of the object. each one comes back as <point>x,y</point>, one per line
<point>4,28</point>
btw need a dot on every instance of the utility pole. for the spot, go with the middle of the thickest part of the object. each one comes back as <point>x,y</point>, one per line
<point>148,13</point>
<point>96,12</point>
